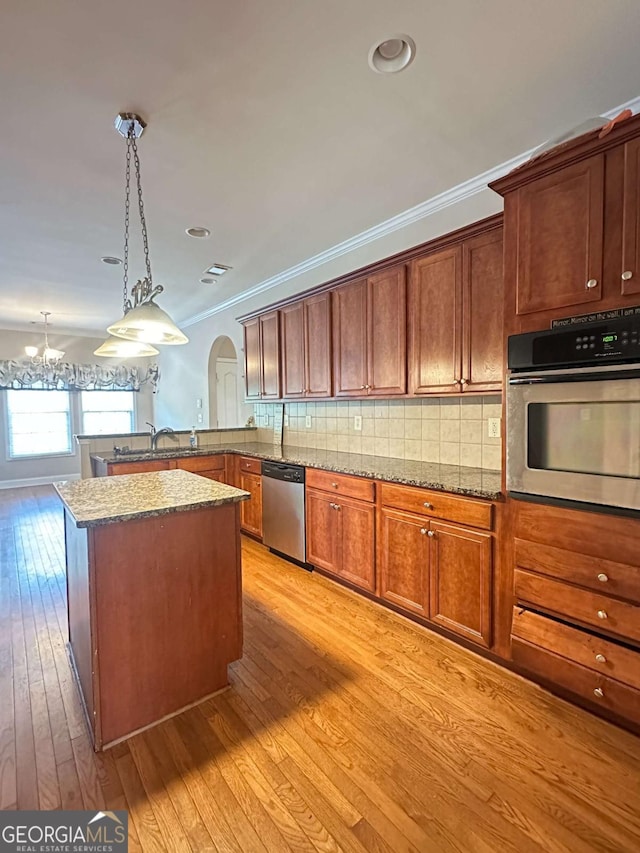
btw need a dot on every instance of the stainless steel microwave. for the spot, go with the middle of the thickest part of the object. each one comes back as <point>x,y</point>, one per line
<point>573,414</point>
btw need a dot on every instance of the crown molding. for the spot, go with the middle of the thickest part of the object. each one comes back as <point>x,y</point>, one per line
<point>427,208</point>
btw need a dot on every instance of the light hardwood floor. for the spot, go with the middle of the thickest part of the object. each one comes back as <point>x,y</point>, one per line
<point>346,728</point>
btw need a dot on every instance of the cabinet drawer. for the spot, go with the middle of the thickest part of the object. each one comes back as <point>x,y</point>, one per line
<point>340,484</point>
<point>251,465</point>
<point>608,615</point>
<point>202,463</point>
<point>613,695</point>
<point>604,576</point>
<point>602,656</point>
<point>477,513</point>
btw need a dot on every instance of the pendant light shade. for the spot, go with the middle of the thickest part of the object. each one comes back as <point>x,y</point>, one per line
<point>150,324</point>
<point>120,348</point>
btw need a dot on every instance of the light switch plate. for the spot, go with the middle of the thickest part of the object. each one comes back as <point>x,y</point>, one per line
<point>493,427</point>
<point>199,417</point>
<point>357,423</point>
<point>307,421</point>
<point>265,420</point>
<point>198,402</point>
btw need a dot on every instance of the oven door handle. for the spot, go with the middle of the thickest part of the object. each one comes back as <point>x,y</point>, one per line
<point>555,377</point>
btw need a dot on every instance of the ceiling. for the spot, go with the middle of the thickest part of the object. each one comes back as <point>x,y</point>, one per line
<point>267,126</point>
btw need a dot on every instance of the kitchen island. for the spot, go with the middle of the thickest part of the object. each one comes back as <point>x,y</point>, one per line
<point>154,595</point>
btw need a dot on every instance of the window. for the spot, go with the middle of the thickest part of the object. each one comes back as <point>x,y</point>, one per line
<point>39,423</point>
<point>106,412</point>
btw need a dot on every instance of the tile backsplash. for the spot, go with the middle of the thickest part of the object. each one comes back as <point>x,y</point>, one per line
<point>451,430</point>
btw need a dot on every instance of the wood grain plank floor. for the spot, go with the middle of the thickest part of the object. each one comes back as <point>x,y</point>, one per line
<point>346,728</point>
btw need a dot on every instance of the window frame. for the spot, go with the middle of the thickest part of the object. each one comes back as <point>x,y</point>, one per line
<point>81,410</point>
<point>9,456</point>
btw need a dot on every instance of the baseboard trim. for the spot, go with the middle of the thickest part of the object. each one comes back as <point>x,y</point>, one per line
<point>37,481</point>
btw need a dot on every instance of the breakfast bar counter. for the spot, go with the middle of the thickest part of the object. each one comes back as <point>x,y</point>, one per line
<point>154,592</point>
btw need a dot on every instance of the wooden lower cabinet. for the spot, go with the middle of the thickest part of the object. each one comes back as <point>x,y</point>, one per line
<point>251,510</point>
<point>341,537</point>
<point>460,569</point>
<point>441,572</point>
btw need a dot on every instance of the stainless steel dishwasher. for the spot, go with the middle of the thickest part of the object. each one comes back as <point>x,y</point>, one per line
<point>283,510</point>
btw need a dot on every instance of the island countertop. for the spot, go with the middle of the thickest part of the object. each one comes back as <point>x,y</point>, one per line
<point>107,500</point>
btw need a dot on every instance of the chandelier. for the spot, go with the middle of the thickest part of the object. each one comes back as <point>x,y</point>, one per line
<point>143,321</point>
<point>49,355</point>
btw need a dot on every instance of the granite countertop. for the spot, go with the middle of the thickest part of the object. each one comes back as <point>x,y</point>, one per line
<point>107,500</point>
<point>457,479</point>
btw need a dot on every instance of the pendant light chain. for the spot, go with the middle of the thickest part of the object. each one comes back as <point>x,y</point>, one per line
<point>126,305</point>
<point>143,221</point>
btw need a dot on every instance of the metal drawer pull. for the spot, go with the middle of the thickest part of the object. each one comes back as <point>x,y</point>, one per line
<point>602,614</point>
<point>599,692</point>
<point>423,530</point>
<point>334,506</point>
<point>335,485</point>
<point>601,658</point>
<point>592,283</point>
<point>427,505</point>
<point>431,533</point>
<point>603,578</point>
<point>626,275</point>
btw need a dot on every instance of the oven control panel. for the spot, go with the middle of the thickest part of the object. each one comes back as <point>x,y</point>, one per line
<point>594,343</point>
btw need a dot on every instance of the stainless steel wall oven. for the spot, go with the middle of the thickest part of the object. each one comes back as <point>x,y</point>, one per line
<point>573,414</point>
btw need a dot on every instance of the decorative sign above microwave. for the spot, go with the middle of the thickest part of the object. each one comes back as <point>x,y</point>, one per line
<point>596,317</point>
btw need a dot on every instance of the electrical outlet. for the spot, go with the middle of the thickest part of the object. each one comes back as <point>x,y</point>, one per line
<point>493,427</point>
<point>357,423</point>
<point>198,402</point>
<point>286,420</point>
<point>265,420</point>
<point>307,421</point>
<point>199,417</point>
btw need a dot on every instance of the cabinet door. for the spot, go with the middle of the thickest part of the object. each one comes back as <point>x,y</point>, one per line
<point>357,535</point>
<point>270,355</point>
<point>631,220</point>
<point>317,330</point>
<point>560,238</point>
<point>323,541</point>
<point>482,313</point>
<point>292,330</point>
<point>349,310</point>
<point>387,332</point>
<point>460,581</point>
<point>251,510</point>
<point>404,560</point>
<point>252,373</point>
<point>435,310</point>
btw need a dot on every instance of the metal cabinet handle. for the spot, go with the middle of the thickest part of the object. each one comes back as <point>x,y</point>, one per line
<point>599,692</point>
<point>423,530</point>
<point>626,275</point>
<point>602,614</point>
<point>591,283</point>
<point>335,485</point>
<point>603,578</point>
<point>464,381</point>
<point>362,387</point>
<point>431,533</point>
<point>427,505</point>
<point>601,658</point>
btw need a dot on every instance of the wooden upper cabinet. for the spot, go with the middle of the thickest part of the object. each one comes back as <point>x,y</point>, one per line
<point>435,315</point>
<point>387,329</point>
<point>559,232</point>
<point>369,336</point>
<point>252,368</point>
<point>482,312</point>
<point>270,355</point>
<point>630,272</point>
<point>292,322</point>
<point>349,312</point>
<point>317,345</point>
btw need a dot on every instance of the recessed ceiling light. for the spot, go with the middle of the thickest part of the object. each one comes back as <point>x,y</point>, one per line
<point>217,269</point>
<point>207,280</point>
<point>198,231</point>
<point>392,54</point>
<point>109,260</point>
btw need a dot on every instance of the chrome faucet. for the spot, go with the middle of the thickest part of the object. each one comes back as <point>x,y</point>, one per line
<point>156,433</point>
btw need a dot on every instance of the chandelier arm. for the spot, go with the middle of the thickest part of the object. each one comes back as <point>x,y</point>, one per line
<point>143,221</point>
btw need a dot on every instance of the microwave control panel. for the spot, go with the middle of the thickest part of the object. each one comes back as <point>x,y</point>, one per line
<point>595,343</point>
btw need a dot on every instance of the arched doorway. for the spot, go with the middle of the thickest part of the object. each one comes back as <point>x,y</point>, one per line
<point>224,382</point>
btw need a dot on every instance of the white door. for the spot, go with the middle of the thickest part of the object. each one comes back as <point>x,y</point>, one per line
<point>227,397</point>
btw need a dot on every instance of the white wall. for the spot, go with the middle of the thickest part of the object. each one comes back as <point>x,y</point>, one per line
<point>78,350</point>
<point>185,368</point>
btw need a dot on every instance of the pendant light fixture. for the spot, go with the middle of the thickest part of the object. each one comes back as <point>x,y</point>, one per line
<point>119,348</point>
<point>49,354</point>
<point>143,321</point>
